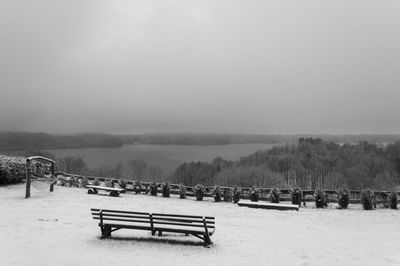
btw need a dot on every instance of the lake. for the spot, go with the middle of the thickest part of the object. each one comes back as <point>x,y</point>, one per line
<point>167,157</point>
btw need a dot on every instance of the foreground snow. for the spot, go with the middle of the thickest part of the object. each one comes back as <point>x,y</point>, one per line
<point>57,229</point>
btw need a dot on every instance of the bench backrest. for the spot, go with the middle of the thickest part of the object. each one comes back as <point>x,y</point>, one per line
<point>128,217</point>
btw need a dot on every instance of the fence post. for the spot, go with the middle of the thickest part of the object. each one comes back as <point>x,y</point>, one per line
<point>151,224</point>
<point>52,167</point>
<point>52,186</point>
<point>28,179</point>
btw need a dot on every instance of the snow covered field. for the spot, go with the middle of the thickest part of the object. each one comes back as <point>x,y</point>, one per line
<point>57,229</point>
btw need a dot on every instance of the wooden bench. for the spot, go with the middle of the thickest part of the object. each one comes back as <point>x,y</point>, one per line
<point>112,220</point>
<point>270,206</point>
<point>114,192</point>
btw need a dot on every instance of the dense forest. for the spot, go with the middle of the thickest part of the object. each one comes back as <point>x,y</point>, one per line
<point>12,141</point>
<point>310,164</point>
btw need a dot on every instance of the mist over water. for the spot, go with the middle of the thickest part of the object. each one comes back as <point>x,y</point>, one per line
<point>166,157</point>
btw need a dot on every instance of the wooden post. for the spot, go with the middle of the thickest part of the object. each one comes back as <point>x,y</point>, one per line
<point>52,186</point>
<point>101,224</point>
<point>207,240</point>
<point>101,218</point>
<point>28,179</point>
<point>52,166</point>
<point>151,224</point>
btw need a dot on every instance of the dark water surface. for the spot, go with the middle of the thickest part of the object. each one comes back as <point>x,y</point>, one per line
<point>167,157</point>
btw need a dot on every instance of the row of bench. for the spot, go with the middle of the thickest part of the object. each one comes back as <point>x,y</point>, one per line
<point>202,227</point>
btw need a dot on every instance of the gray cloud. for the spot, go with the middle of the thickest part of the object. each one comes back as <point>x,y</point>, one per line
<point>204,66</point>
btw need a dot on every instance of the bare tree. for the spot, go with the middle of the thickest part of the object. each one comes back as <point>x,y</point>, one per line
<point>154,172</point>
<point>118,170</point>
<point>138,168</point>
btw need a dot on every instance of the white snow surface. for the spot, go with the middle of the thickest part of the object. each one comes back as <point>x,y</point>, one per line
<point>57,229</point>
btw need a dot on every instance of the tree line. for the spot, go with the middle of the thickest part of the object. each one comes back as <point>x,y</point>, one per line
<point>138,169</point>
<point>309,164</point>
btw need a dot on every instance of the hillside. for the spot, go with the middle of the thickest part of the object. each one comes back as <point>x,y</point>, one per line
<point>57,229</point>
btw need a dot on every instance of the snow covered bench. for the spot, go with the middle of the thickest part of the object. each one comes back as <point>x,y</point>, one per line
<point>270,206</point>
<point>112,220</point>
<point>114,192</point>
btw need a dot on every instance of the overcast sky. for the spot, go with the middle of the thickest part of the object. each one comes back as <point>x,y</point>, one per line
<point>200,66</point>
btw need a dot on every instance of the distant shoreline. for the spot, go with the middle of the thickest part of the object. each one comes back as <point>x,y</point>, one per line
<point>23,141</point>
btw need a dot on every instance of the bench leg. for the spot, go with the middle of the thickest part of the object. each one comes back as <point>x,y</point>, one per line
<point>159,233</point>
<point>105,232</point>
<point>52,186</point>
<point>207,240</point>
<point>114,193</point>
<point>93,191</point>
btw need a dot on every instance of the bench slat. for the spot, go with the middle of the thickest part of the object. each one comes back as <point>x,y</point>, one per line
<point>179,215</point>
<point>164,229</point>
<point>176,230</point>
<point>115,211</point>
<point>156,214</point>
<point>139,227</point>
<point>154,218</point>
<point>154,222</point>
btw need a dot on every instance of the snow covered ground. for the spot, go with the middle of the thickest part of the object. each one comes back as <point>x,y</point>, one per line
<point>57,229</point>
